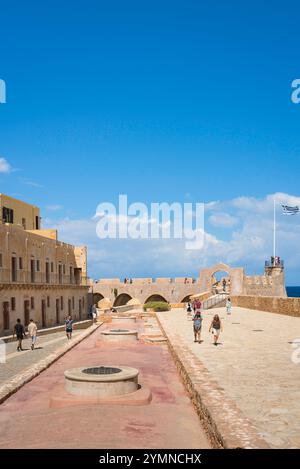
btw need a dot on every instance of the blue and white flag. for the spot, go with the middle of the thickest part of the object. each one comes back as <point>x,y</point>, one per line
<point>290,210</point>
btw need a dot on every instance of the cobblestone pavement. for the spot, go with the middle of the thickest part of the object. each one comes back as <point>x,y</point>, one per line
<point>19,361</point>
<point>254,366</point>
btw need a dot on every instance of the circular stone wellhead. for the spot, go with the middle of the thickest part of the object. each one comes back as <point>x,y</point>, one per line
<point>123,319</point>
<point>120,335</point>
<point>101,370</point>
<point>101,381</point>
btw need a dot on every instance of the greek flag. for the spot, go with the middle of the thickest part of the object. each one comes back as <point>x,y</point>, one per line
<point>290,210</point>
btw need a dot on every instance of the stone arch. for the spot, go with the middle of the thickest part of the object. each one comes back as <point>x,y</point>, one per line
<point>220,267</point>
<point>97,297</point>
<point>186,299</point>
<point>156,298</point>
<point>236,275</point>
<point>122,299</point>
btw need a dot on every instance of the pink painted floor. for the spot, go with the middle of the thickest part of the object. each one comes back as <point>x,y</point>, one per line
<point>169,421</point>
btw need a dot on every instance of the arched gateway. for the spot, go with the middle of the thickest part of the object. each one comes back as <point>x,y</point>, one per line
<point>234,283</point>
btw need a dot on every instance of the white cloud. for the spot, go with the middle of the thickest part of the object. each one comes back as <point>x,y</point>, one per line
<point>249,243</point>
<point>223,220</point>
<point>5,167</point>
<point>28,182</point>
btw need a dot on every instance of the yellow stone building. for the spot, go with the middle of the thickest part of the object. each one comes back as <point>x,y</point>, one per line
<point>40,277</point>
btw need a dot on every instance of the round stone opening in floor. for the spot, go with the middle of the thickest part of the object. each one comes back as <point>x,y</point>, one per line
<point>101,370</point>
<point>101,381</point>
<point>120,335</point>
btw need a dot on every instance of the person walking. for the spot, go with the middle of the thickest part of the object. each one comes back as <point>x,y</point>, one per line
<point>197,322</point>
<point>69,327</point>
<point>216,328</point>
<point>197,306</point>
<point>228,306</point>
<point>19,331</point>
<point>32,330</point>
<point>94,314</point>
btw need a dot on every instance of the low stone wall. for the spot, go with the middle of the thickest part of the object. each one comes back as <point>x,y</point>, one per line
<point>202,296</point>
<point>51,330</point>
<point>272,304</point>
<point>12,386</point>
<point>177,305</point>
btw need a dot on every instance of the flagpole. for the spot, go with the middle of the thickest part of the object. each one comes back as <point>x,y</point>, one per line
<point>274,230</point>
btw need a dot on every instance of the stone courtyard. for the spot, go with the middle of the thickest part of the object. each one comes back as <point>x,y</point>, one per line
<point>248,386</point>
<point>252,364</point>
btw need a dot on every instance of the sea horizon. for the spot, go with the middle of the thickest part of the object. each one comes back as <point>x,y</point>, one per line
<point>293,291</point>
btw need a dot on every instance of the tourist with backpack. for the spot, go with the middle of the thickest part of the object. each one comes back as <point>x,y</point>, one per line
<point>197,322</point>
<point>69,327</point>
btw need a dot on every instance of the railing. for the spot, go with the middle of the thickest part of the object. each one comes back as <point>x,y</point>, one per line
<point>274,263</point>
<point>147,281</point>
<point>40,278</point>
<point>214,300</point>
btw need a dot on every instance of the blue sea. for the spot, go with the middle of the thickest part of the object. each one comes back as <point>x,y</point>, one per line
<point>293,291</point>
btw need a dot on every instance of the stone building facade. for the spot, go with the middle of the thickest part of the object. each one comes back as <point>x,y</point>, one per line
<point>40,277</point>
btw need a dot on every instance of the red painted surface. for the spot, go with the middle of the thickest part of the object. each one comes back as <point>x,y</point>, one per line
<point>28,421</point>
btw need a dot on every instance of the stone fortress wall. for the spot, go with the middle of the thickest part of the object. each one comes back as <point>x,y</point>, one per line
<point>278,305</point>
<point>114,292</point>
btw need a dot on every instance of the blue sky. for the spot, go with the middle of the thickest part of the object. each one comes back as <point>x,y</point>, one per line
<point>160,100</point>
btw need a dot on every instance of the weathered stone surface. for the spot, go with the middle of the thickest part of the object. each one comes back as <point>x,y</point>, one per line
<point>225,424</point>
<point>278,305</point>
<point>256,365</point>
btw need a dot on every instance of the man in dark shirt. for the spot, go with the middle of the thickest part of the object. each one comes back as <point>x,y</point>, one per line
<point>19,331</point>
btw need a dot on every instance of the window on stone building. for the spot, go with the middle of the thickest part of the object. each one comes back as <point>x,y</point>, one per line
<point>73,302</point>
<point>60,273</point>
<point>52,267</point>
<point>1,260</point>
<point>38,265</point>
<point>24,223</point>
<point>13,303</point>
<point>61,302</point>
<point>7,215</point>
<point>37,223</point>
<point>6,315</point>
<point>48,301</point>
<point>14,269</point>
<point>20,263</point>
<point>32,302</point>
<point>64,269</point>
